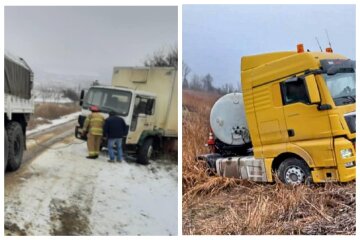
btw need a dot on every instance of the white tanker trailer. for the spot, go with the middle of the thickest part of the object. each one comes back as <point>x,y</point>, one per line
<point>228,122</point>
<point>230,143</point>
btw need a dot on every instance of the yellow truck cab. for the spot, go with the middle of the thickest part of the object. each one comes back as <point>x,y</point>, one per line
<point>300,109</point>
<point>300,114</point>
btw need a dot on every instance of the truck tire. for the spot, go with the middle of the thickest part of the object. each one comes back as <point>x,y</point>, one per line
<point>6,149</point>
<point>16,145</point>
<point>145,152</point>
<point>294,171</point>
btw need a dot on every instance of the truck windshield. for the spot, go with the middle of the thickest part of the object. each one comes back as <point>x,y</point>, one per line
<point>342,87</point>
<point>109,100</point>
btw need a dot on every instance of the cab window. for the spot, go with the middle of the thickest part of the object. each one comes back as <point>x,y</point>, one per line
<point>294,91</point>
<point>144,105</point>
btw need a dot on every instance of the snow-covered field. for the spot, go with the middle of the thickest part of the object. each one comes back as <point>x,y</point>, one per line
<point>63,193</point>
<point>50,95</point>
<point>52,100</point>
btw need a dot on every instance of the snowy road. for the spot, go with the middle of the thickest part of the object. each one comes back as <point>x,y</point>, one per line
<point>60,192</point>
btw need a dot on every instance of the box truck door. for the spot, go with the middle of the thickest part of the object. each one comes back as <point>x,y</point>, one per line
<point>142,118</point>
<point>307,127</point>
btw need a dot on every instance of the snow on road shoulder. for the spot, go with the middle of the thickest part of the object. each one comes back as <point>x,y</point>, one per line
<point>63,193</point>
<point>142,200</point>
<point>55,122</point>
<point>52,100</point>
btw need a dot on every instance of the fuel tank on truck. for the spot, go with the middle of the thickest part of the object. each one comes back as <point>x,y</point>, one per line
<point>227,120</point>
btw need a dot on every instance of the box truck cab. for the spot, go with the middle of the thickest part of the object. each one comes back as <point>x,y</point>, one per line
<point>300,113</point>
<point>146,98</point>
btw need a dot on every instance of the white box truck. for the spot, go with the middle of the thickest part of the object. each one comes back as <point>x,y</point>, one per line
<point>146,98</point>
<point>19,105</point>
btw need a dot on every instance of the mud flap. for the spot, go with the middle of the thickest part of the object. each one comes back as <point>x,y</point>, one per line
<point>210,159</point>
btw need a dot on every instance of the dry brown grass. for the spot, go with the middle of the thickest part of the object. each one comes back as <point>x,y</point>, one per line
<point>215,205</point>
<point>35,122</point>
<point>44,112</point>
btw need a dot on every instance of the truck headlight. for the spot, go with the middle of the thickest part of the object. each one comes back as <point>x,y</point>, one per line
<point>346,153</point>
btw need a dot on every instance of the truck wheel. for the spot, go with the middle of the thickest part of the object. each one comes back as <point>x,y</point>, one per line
<point>145,152</point>
<point>6,149</point>
<point>16,145</point>
<point>294,171</point>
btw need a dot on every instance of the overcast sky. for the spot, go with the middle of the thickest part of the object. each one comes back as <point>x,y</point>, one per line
<point>88,40</point>
<point>215,37</point>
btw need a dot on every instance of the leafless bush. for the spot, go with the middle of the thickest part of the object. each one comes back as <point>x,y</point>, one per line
<point>71,94</point>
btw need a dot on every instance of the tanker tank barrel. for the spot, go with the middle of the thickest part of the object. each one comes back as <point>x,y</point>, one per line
<point>228,121</point>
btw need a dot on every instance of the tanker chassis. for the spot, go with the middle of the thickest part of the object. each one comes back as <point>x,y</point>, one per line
<point>295,119</point>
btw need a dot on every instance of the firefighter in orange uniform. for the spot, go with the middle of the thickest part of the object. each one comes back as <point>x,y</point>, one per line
<point>93,127</point>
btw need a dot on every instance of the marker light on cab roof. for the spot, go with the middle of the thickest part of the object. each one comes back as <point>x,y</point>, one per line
<point>300,48</point>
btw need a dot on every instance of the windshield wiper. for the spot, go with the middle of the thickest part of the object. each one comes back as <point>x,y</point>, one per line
<point>353,98</point>
<point>346,99</point>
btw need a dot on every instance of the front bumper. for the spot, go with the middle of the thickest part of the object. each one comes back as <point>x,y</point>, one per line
<point>345,169</point>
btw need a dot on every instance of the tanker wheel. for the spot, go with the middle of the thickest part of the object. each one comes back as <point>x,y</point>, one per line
<point>294,171</point>
<point>16,145</point>
<point>145,152</point>
<point>6,149</point>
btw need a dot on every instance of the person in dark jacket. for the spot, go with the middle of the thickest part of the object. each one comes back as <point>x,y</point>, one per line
<point>114,130</point>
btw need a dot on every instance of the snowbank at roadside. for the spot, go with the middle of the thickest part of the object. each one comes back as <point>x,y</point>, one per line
<point>53,123</point>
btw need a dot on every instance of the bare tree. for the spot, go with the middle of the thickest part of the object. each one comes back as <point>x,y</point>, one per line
<point>207,82</point>
<point>185,72</point>
<point>185,84</point>
<point>162,58</point>
<point>227,88</point>
<point>172,57</point>
<point>238,86</point>
<point>195,83</point>
<point>95,83</point>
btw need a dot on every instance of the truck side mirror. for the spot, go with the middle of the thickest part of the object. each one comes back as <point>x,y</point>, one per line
<point>81,100</point>
<point>312,88</point>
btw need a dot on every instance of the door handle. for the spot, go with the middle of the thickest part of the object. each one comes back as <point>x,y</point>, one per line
<point>291,132</point>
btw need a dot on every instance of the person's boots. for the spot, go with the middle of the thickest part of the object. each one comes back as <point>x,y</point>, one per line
<point>91,157</point>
